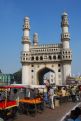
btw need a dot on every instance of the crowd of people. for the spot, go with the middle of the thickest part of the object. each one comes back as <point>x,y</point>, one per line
<point>49,95</point>
<point>62,93</point>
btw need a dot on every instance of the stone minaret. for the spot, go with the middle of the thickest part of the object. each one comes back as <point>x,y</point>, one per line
<point>25,51</point>
<point>65,36</point>
<point>35,39</point>
<point>66,51</point>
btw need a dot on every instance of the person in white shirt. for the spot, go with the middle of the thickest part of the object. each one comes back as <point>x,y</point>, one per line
<point>51,97</point>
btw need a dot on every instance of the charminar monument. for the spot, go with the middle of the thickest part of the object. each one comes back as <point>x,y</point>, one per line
<point>37,60</point>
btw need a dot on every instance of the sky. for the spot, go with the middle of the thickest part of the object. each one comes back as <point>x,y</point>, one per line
<point>45,19</point>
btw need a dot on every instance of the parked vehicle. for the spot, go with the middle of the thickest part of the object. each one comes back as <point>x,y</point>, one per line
<point>8,107</point>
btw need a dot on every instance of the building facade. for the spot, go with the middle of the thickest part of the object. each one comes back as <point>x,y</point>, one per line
<point>49,76</point>
<point>6,79</point>
<point>37,60</point>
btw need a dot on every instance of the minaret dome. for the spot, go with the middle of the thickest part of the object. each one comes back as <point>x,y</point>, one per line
<point>26,23</point>
<point>64,14</point>
<point>64,22</point>
<point>35,39</point>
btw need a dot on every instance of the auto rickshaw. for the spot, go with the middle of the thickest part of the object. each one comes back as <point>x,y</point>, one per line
<point>8,108</point>
<point>32,104</point>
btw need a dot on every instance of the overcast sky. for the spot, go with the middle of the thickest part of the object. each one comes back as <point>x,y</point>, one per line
<point>45,19</point>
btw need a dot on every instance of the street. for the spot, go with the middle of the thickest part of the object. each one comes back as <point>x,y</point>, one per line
<point>48,115</point>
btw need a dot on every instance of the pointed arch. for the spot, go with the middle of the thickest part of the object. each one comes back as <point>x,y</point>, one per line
<point>41,73</point>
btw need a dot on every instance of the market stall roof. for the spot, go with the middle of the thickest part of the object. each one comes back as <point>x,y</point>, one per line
<point>21,85</point>
<point>30,86</point>
<point>11,86</point>
<point>38,86</point>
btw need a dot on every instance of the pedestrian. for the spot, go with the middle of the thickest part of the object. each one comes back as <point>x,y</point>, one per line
<point>63,90</point>
<point>51,97</point>
<point>73,94</point>
<point>32,93</point>
<point>45,95</point>
<point>14,96</point>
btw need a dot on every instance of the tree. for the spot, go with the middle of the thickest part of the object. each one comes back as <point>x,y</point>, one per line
<point>0,71</point>
<point>17,76</point>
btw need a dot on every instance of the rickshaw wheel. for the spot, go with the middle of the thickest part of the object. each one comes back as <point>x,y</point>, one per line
<point>14,111</point>
<point>11,113</point>
<point>2,114</point>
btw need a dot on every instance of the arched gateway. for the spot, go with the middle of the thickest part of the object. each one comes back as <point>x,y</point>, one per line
<point>41,75</point>
<point>37,60</point>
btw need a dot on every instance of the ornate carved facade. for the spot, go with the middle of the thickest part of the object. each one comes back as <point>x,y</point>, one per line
<point>39,59</point>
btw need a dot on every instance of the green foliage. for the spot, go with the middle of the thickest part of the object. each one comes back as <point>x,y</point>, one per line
<point>18,76</point>
<point>0,71</point>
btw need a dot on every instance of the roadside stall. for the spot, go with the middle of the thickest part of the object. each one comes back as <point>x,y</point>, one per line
<point>63,93</point>
<point>8,107</point>
<point>33,101</point>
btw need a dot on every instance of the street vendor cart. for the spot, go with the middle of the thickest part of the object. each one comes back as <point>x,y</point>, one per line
<point>8,107</point>
<point>32,104</point>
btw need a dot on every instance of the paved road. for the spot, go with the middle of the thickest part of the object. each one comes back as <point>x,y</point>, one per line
<point>48,114</point>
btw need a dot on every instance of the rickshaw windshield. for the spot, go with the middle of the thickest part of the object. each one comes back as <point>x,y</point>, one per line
<point>6,90</point>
